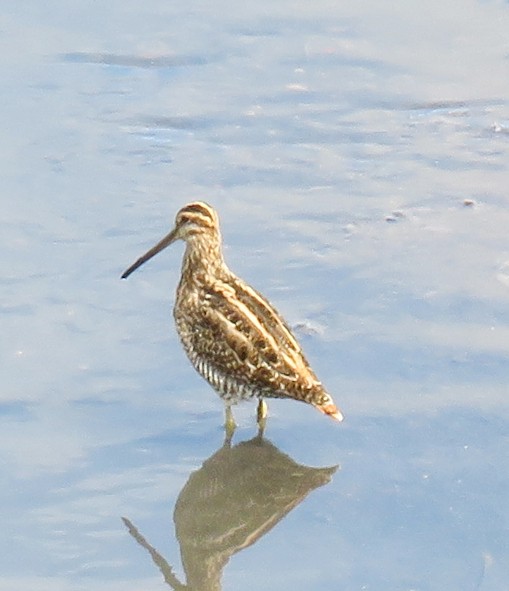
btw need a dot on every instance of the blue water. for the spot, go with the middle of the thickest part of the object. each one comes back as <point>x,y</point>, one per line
<point>358,158</point>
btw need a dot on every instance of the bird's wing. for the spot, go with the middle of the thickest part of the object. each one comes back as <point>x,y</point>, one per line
<point>246,332</point>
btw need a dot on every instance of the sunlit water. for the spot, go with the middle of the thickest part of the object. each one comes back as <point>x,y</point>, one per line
<point>358,157</point>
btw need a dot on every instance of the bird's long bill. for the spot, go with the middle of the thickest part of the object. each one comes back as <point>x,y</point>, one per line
<point>166,241</point>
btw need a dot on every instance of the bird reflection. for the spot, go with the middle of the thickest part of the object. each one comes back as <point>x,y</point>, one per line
<point>237,496</point>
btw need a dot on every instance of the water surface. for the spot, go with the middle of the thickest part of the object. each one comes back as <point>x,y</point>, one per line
<point>358,156</point>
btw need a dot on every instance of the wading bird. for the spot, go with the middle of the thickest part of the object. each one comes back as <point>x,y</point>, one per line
<point>232,335</point>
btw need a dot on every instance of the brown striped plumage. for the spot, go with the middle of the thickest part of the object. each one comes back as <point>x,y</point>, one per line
<point>232,335</point>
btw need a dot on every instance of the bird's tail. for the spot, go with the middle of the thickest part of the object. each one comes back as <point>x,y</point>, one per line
<point>330,409</point>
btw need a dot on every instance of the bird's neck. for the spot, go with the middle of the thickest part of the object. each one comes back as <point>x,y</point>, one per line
<point>203,257</point>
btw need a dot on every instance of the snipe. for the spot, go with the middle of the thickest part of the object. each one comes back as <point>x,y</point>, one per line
<point>232,335</point>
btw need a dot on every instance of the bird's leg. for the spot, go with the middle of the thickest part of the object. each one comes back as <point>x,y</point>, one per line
<point>229,424</point>
<point>261,416</point>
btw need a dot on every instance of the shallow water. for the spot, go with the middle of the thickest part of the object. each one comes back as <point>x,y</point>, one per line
<point>358,157</point>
